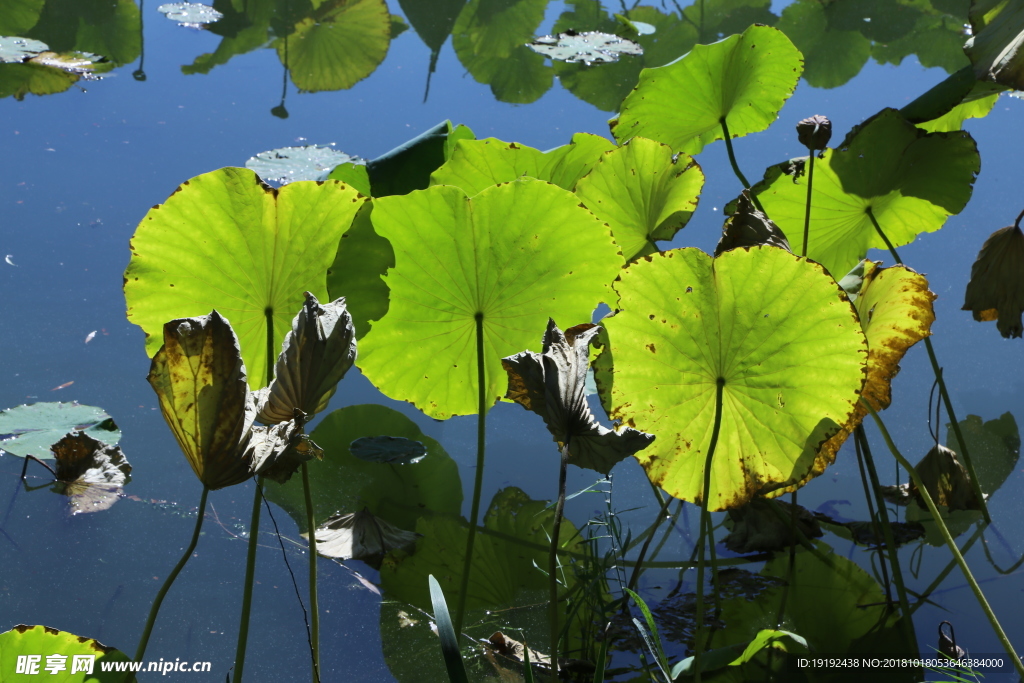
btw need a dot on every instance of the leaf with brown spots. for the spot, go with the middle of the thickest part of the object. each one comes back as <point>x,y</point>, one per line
<point>44,640</point>
<point>552,385</point>
<point>775,328</point>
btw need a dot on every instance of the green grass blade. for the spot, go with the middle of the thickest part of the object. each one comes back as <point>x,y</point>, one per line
<point>446,632</point>
<point>653,640</point>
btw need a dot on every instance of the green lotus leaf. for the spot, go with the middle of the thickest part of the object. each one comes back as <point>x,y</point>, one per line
<point>408,166</point>
<point>909,179</point>
<point>432,21</point>
<point>80,659</point>
<point>552,385</point>
<point>317,352</point>
<point>945,106</point>
<point>246,40</point>
<point>832,56</point>
<point>340,45</point>
<point>226,241</point>
<point>975,105</point>
<point>19,16</point>
<point>353,175</point>
<point>644,192</point>
<point>398,494</point>
<point>199,378</point>
<point>743,80</point>
<point>356,274</point>
<point>739,654</point>
<point>773,328</point>
<point>111,29</point>
<point>477,164</point>
<point>996,46</point>
<point>508,258</point>
<point>490,39</point>
<point>393,450</point>
<point>89,472</point>
<point>507,554</point>
<point>32,429</point>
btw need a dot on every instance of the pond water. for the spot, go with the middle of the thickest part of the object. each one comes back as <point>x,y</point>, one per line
<point>84,165</point>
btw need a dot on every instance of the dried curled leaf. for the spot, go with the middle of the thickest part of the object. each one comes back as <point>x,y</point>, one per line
<point>748,227</point>
<point>89,472</point>
<point>552,385</point>
<point>200,380</point>
<point>278,450</point>
<point>314,357</point>
<point>360,536</point>
<point>947,480</point>
<point>996,289</point>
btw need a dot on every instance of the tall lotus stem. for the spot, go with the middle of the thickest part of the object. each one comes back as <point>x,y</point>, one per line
<point>250,573</point>
<point>553,563</point>
<point>814,134</point>
<point>314,606</point>
<point>481,433</point>
<point>705,523</point>
<point>141,651</point>
<point>735,166</point>
<point>950,543</point>
<point>975,484</point>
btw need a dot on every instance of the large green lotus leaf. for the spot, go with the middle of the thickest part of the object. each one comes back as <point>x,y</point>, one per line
<point>19,16</point>
<point>774,328</point>
<point>911,180</point>
<point>975,105</point>
<point>505,572</point>
<point>513,255</point>
<point>477,164</point>
<point>832,56</point>
<point>490,39</point>
<point>743,79</point>
<point>32,429</point>
<point>340,45</point>
<point>408,166</point>
<point>356,274</point>
<point>18,80</point>
<point>226,241</point>
<point>432,20</point>
<point>89,654</point>
<point>246,40</point>
<point>111,29</point>
<point>936,39</point>
<point>341,482</point>
<point>644,192</point>
<point>996,46</point>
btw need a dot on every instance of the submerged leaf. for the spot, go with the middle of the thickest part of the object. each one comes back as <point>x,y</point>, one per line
<point>316,354</point>
<point>393,450</point>
<point>89,472</point>
<point>32,429</point>
<point>773,329</point>
<point>552,385</point>
<point>748,227</point>
<point>200,380</point>
<point>288,164</point>
<point>996,288</point>
<point>360,536</point>
<point>588,47</point>
<point>743,80</point>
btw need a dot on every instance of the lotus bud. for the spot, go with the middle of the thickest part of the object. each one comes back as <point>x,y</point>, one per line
<point>815,132</point>
<point>996,289</point>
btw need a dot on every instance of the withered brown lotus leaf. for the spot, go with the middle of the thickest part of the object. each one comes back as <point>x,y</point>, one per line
<point>315,355</point>
<point>89,472</point>
<point>552,385</point>
<point>946,480</point>
<point>360,536</point>
<point>278,450</point>
<point>749,227</point>
<point>200,380</point>
<point>996,289</point>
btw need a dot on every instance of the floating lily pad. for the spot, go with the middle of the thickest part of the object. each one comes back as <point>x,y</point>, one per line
<point>192,14</point>
<point>288,164</point>
<point>13,49</point>
<point>89,472</point>
<point>33,429</point>
<point>393,450</point>
<point>589,47</point>
<point>773,329</point>
<point>89,654</point>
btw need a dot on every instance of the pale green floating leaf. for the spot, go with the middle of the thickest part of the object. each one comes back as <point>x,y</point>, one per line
<point>589,47</point>
<point>226,241</point>
<point>510,257</point>
<point>192,14</point>
<point>33,429</point>
<point>14,50</point>
<point>743,79</point>
<point>773,328</point>
<point>288,164</point>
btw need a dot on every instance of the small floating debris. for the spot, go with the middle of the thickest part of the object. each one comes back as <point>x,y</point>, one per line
<point>289,164</point>
<point>14,49</point>
<point>589,47</point>
<point>190,14</point>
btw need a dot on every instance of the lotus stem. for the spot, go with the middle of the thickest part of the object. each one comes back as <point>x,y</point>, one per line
<point>250,573</point>
<point>481,434</point>
<point>647,543</point>
<point>950,543</point>
<point>141,651</point>
<point>975,484</point>
<point>890,541</point>
<point>705,521</point>
<point>553,563</point>
<point>736,167</point>
<point>313,604</point>
<point>941,576</point>
<point>876,529</point>
<point>807,211</point>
